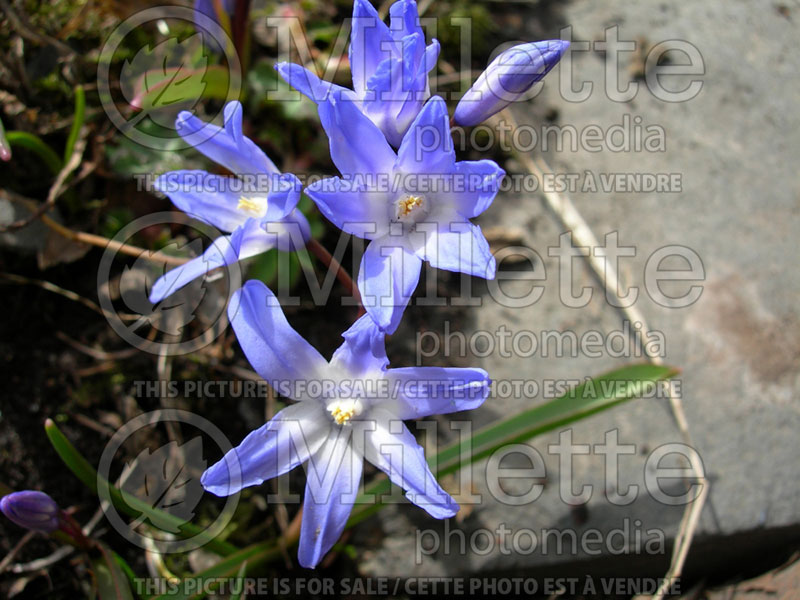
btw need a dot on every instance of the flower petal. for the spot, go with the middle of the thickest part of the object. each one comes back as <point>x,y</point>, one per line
<point>417,85</point>
<point>251,239</point>
<point>283,196</point>
<point>333,477</point>
<point>425,391</point>
<point>384,100</point>
<point>387,278</point>
<point>392,448</point>
<point>246,241</point>
<point>427,147</point>
<point>276,351</point>
<point>431,56</point>
<point>457,245</point>
<point>204,196</point>
<point>306,82</point>
<point>31,509</point>
<point>403,19</point>
<point>219,254</point>
<point>208,8</point>
<point>291,233</point>
<point>351,207</point>
<point>277,447</point>
<point>397,90</point>
<point>364,350</point>
<point>475,185</point>
<point>413,49</point>
<point>371,43</point>
<point>357,145</point>
<point>382,87</point>
<point>226,146</point>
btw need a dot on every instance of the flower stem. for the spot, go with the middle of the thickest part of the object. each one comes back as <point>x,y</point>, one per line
<point>342,275</point>
<point>241,33</point>
<point>104,242</point>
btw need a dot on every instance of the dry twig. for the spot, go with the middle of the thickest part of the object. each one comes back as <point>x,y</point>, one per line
<point>582,235</point>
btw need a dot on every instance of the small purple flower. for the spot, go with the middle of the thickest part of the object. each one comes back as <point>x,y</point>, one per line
<point>389,64</point>
<point>348,409</point>
<point>32,510</point>
<point>218,28</point>
<point>258,206</point>
<point>507,78</point>
<point>210,9</point>
<point>414,205</point>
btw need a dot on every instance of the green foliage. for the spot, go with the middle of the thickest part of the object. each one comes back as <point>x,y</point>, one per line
<point>112,576</point>
<point>77,121</point>
<point>35,144</point>
<point>129,158</point>
<point>592,396</point>
<point>451,28</point>
<point>130,505</point>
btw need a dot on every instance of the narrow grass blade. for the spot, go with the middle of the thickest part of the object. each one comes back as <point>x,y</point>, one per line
<point>77,121</point>
<point>592,396</point>
<point>123,501</point>
<point>35,144</point>
<point>112,582</point>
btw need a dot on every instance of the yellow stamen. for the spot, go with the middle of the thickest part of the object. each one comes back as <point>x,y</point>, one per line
<point>254,206</point>
<point>343,411</point>
<point>342,416</point>
<point>408,205</point>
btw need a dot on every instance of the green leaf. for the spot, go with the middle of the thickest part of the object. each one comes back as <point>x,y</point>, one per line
<point>592,396</point>
<point>164,74</point>
<point>34,143</point>
<point>112,582</point>
<point>128,158</point>
<point>5,149</point>
<point>262,78</point>
<point>126,569</point>
<point>240,579</point>
<point>264,266</point>
<point>131,505</point>
<point>211,83</point>
<point>230,566</point>
<point>77,121</point>
<point>317,228</point>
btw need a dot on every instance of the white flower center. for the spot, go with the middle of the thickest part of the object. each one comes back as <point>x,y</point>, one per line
<point>253,206</point>
<point>343,411</point>
<point>410,208</point>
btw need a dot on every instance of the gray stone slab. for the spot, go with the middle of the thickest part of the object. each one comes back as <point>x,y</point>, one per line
<point>735,147</point>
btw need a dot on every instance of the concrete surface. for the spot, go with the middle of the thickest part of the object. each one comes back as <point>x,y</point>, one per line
<point>738,209</point>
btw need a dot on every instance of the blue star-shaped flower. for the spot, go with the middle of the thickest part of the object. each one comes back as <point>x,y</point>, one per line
<point>348,409</point>
<point>389,64</point>
<point>258,206</point>
<point>414,205</point>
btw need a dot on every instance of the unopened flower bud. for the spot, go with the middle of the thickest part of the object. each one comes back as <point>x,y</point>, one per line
<point>507,78</point>
<point>32,510</point>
